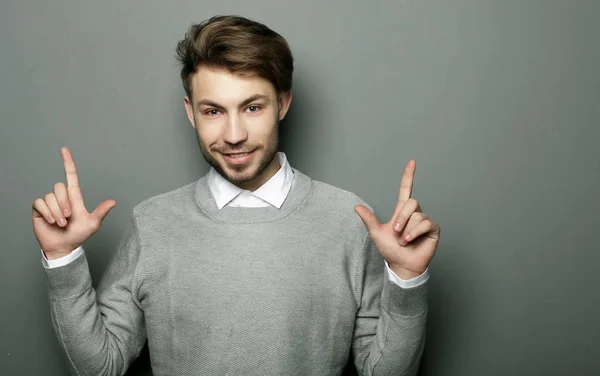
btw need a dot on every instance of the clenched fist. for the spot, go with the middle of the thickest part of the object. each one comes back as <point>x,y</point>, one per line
<point>61,222</point>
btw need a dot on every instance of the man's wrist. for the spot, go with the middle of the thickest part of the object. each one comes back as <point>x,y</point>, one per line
<point>56,255</point>
<point>404,273</point>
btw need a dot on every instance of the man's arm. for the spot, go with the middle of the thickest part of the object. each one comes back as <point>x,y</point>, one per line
<point>390,327</point>
<point>101,332</point>
<point>389,333</point>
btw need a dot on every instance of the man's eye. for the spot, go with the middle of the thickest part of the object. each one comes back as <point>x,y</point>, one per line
<point>253,108</point>
<point>212,112</point>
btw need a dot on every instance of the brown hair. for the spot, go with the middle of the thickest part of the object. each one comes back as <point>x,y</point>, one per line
<point>238,45</point>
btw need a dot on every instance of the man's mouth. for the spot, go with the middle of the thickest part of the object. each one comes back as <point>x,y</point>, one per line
<point>238,158</point>
<point>237,155</point>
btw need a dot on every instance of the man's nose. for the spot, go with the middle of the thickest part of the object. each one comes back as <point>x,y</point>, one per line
<point>235,131</point>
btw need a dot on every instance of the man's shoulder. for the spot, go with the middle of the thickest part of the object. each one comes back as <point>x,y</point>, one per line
<point>332,196</point>
<point>336,205</point>
<point>166,203</point>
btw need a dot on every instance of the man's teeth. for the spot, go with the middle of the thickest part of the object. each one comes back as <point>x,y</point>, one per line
<point>238,155</point>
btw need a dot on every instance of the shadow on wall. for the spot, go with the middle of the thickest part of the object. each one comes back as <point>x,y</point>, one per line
<point>299,130</point>
<point>453,288</point>
<point>141,366</point>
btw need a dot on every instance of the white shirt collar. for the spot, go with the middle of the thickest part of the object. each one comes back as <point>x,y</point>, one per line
<point>273,192</point>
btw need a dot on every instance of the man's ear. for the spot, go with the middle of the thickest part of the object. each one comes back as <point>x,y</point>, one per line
<point>189,108</point>
<point>285,99</point>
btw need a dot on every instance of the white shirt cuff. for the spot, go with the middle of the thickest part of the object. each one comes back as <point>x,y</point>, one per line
<point>65,260</point>
<point>407,283</point>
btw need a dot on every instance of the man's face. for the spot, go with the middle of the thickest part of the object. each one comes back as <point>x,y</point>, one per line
<point>236,120</point>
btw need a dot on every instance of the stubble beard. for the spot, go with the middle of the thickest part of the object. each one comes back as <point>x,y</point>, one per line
<point>270,153</point>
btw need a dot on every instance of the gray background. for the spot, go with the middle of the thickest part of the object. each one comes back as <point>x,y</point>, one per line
<point>498,101</point>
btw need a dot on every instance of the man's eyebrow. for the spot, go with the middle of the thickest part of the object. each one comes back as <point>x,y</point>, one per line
<point>245,102</point>
<point>253,98</point>
<point>208,102</point>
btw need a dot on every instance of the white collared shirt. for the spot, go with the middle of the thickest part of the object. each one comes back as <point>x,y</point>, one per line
<point>272,192</point>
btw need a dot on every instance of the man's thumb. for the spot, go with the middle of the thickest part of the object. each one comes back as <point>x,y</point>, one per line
<point>367,217</point>
<point>102,210</point>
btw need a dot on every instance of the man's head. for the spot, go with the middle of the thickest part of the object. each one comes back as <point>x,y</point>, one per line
<point>237,75</point>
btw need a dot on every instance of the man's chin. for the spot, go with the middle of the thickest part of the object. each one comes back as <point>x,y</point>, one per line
<point>238,175</point>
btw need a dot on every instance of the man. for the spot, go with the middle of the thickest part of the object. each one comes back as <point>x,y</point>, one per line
<point>254,269</point>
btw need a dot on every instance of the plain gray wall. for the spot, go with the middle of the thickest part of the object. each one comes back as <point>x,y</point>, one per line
<point>498,102</point>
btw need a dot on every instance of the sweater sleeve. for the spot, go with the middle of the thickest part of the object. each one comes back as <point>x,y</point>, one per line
<point>389,332</point>
<point>101,332</point>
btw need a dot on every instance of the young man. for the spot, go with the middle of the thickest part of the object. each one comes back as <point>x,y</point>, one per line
<point>255,268</point>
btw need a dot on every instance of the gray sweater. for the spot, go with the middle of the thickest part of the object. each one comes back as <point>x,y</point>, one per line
<point>241,291</point>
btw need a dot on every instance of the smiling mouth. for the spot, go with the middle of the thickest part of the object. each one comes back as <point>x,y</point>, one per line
<point>238,158</point>
<point>238,155</point>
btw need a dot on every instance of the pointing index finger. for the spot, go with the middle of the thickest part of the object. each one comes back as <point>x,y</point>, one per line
<point>70,169</point>
<point>72,178</point>
<point>406,184</point>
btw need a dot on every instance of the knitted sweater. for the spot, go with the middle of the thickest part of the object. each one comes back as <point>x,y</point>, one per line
<point>241,291</point>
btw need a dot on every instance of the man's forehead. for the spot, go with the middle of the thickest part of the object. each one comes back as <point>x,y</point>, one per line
<point>222,85</point>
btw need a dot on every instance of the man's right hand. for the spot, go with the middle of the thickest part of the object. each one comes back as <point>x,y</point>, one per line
<point>61,222</point>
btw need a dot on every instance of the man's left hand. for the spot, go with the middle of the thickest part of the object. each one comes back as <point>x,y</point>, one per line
<point>409,240</point>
